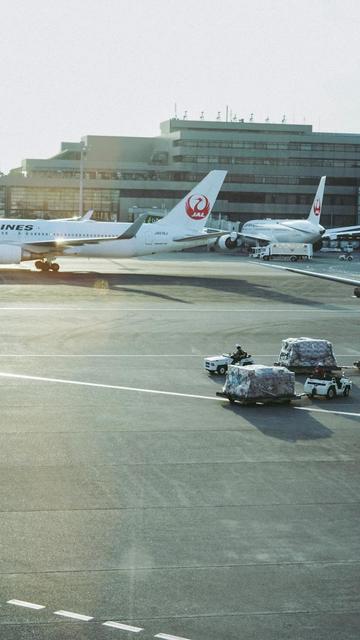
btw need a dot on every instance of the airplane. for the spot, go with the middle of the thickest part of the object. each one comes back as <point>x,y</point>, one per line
<point>306,231</point>
<point>45,240</point>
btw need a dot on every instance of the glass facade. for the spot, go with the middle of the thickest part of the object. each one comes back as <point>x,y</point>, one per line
<point>28,202</point>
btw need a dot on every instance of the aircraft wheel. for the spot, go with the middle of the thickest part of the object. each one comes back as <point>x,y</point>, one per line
<point>45,266</point>
<point>54,266</point>
<point>39,264</point>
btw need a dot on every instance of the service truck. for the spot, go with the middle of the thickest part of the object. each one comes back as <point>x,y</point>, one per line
<point>292,251</point>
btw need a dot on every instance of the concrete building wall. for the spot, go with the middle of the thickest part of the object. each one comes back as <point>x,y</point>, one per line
<point>273,171</point>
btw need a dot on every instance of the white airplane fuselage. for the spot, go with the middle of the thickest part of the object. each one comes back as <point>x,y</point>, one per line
<point>151,238</point>
<point>283,230</point>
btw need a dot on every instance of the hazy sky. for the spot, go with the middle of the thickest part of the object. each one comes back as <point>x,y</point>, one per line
<point>117,67</point>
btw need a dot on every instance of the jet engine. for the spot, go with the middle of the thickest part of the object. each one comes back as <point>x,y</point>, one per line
<point>227,242</point>
<point>10,254</point>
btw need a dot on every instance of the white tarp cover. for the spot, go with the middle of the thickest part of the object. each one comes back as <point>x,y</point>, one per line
<point>306,352</point>
<point>258,381</point>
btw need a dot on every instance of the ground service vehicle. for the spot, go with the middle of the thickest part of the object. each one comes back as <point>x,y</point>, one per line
<point>219,364</point>
<point>292,251</point>
<point>329,387</point>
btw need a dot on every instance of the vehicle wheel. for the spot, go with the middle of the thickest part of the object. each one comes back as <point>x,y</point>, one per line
<point>349,258</point>
<point>331,393</point>
<point>54,266</point>
<point>346,392</point>
<point>231,400</point>
<point>342,258</point>
<point>293,258</point>
<point>222,370</point>
<point>313,392</point>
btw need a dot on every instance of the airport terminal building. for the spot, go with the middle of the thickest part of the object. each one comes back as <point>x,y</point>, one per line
<point>273,171</point>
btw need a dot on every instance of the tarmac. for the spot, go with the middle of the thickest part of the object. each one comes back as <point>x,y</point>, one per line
<point>134,502</point>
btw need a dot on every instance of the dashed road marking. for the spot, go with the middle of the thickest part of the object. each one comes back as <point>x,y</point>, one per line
<point>166,636</point>
<point>124,627</point>
<point>27,605</point>
<point>75,616</point>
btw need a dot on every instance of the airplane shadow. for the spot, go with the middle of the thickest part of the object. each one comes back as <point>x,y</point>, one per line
<point>138,283</point>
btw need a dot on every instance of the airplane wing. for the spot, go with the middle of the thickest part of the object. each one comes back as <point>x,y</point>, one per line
<point>336,233</point>
<point>316,274</point>
<point>253,236</point>
<point>203,236</point>
<point>87,216</point>
<point>59,243</point>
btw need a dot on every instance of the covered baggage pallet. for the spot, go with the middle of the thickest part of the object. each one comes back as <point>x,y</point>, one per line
<point>260,400</point>
<point>258,384</point>
<point>303,355</point>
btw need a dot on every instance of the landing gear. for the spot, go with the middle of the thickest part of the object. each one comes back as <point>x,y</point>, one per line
<point>44,265</point>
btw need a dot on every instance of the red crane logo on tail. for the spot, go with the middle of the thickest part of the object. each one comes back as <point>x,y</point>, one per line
<point>197,207</point>
<point>317,207</point>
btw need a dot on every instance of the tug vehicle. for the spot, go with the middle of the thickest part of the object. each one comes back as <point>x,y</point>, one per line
<point>219,364</point>
<point>328,386</point>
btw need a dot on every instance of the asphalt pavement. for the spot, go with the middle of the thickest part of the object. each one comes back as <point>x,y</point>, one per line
<point>137,504</point>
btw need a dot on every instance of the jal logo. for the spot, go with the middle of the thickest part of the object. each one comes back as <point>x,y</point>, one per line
<point>317,207</point>
<point>197,207</point>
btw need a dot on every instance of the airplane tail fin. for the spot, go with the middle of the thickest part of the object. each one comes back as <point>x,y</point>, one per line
<point>316,208</point>
<point>191,213</point>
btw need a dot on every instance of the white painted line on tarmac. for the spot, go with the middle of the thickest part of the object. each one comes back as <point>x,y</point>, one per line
<point>187,308</point>
<point>107,386</point>
<point>165,636</point>
<point>332,411</point>
<point>154,391</point>
<point>75,616</point>
<point>140,355</point>
<point>124,627</point>
<point>27,605</point>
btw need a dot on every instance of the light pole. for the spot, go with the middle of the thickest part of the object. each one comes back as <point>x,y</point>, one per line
<point>81,194</point>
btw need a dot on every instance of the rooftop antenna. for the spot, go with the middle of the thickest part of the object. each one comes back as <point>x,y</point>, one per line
<point>175,111</point>
<point>218,117</point>
<point>283,119</point>
<point>234,119</point>
<point>202,115</point>
<point>267,119</point>
<point>251,117</point>
<point>185,115</point>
